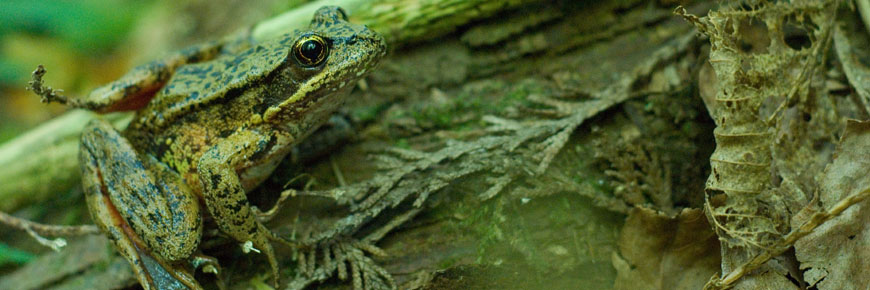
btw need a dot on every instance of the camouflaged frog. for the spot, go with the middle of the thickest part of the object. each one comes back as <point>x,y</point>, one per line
<point>209,127</point>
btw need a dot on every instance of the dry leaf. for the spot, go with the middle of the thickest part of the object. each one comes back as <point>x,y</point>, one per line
<point>659,252</point>
<point>837,254</point>
<point>851,45</point>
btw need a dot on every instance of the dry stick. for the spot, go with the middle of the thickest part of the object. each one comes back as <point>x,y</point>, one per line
<point>805,229</point>
<point>37,230</point>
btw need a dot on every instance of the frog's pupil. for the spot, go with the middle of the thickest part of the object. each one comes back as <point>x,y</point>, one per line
<point>311,50</point>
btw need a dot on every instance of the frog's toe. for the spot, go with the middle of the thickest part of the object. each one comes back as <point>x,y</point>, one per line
<point>273,263</point>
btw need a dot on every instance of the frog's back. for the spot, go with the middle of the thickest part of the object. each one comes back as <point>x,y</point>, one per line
<point>196,85</point>
<point>201,104</point>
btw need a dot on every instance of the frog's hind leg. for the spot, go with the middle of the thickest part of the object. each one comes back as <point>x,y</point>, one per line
<point>149,215</point>
<point>136,88</point>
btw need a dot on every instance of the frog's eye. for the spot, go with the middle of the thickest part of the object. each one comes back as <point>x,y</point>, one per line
<point>310,50</point>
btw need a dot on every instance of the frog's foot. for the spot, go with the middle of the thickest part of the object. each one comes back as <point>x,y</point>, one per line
<point>48,95</point>
<point>336,256</point>
<point>260,244</point>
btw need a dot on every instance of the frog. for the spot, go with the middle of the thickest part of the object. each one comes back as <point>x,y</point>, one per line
<point>210,125</point>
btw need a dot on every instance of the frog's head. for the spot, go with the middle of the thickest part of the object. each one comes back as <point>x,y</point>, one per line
<point>323,64</point>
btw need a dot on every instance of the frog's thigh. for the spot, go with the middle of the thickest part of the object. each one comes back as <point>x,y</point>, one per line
<point>151,220</point>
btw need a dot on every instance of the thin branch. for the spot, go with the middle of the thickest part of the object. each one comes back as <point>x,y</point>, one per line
<point>37,230</point>
<point>38,87</point>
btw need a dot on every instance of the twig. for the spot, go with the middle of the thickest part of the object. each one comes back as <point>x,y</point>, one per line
<point>269,214</point>
<point>39,88</point>
<point>37,230</point>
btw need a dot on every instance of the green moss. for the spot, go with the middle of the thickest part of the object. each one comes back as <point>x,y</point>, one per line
<point>463,110</point>
<point>484,220</point>
<point>365,114</point>
<point>403,143</point>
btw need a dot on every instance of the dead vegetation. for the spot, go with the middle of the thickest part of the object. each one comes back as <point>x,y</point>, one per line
<point>495,152</point>
<point>772,111</point>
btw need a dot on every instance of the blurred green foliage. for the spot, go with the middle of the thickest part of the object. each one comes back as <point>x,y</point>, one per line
<point>88,27</point>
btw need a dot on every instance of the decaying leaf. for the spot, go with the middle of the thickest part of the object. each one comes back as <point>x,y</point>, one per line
<point>754,91</point>
<point>776,131</point>
<point>837,254</point>
<point>852,45</point>
<point>659,252</point>
<point>773,123</point>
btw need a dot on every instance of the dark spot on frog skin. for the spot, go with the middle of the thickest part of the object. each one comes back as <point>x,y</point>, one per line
<point>236,61</point>
<point>215,181</point>
<point>226,193</point>
<point>263,147</point>
<point>192,96</point>
<point>238,206</point>
<point>153,218</point>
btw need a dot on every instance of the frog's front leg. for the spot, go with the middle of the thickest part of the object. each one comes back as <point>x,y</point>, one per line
<point>143,207</point>
<point>133,90</point>
<point>225,195</point>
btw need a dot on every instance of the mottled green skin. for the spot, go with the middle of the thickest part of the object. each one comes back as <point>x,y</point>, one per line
<point>215,130</point>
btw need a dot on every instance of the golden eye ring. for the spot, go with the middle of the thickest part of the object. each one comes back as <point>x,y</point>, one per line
<point>310,50</point>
